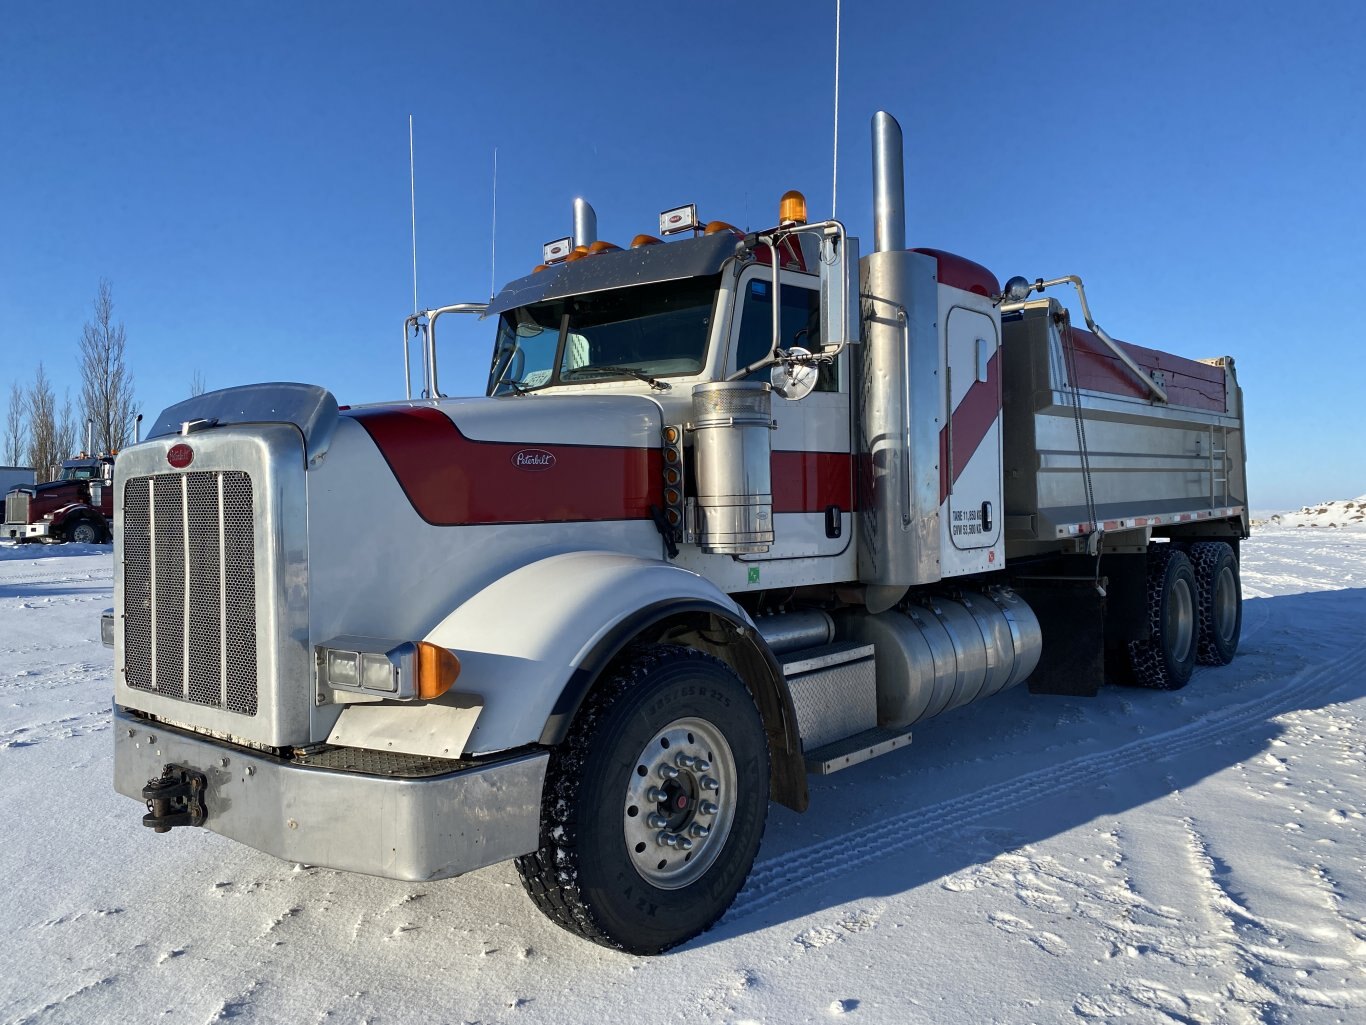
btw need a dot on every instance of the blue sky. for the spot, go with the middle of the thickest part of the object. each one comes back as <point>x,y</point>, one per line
<point>241,174</point>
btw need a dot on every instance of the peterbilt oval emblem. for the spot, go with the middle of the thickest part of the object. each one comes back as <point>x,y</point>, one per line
<point>533,459</point>
<point>180,456</point>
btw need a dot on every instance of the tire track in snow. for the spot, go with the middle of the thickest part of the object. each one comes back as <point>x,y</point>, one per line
<point>65,728</point>
<point>806,868</point>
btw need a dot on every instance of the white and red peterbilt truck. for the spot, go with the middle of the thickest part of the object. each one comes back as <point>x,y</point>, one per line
<point>735,508</point>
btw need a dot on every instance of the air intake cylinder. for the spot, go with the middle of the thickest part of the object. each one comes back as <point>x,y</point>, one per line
<point>732,421</point>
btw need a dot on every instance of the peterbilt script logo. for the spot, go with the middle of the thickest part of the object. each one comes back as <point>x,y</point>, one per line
<point>533,459</point>
<point>180,456</point>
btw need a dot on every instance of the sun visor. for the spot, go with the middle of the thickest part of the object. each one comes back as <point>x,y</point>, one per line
<point>689,258</point>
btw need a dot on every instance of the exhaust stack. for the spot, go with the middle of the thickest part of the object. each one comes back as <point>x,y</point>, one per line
<point>585,223</point>
<point>889,187</point>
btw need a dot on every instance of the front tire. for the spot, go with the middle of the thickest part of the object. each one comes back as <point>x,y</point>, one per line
<point>84,531</point>
<point>1166,660</point>
<point>654,806</point>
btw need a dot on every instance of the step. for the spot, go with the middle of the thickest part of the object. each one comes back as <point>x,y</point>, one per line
<point>841,754</point>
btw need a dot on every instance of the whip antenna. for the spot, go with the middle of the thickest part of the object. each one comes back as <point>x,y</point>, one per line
<point>412,199</point>
<point>493,233</point>
<point>835,160</point>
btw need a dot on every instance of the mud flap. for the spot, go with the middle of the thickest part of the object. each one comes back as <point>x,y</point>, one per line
<point>1071,615</point>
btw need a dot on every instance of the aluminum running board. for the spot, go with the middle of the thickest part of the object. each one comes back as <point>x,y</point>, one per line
<point>859,748</point>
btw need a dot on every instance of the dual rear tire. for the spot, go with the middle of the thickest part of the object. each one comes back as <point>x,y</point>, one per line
<point>1194,608</point>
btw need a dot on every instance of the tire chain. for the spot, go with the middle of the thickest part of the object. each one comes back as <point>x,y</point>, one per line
<point>1149,664</point>
<point>1204,557</point>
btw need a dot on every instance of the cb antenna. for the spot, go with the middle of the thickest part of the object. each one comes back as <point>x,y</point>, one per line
<point>493,233</point>
<point>412,199</point>
<point>835,159</point>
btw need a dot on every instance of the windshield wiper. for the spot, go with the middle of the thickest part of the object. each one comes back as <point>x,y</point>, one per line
<point>605,370</point>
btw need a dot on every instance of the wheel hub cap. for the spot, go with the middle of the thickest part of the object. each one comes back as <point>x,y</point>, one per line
<point>673,835</point>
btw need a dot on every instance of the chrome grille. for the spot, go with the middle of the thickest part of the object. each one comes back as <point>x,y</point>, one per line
<point>16,507</point>
<point>189,588</point>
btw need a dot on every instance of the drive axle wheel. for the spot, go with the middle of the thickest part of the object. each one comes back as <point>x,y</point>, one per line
<point>654,806</point>
<point>1221,601</point>
<point>1166,660</point>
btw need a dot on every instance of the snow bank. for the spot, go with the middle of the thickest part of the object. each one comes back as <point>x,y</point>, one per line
<point>1342,513</point>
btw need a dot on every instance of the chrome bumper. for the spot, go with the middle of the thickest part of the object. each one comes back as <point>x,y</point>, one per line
<point>27,531</point>
<point>430,827</point>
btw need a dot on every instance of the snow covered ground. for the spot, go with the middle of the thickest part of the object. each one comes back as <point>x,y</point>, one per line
<point>1138,857</point>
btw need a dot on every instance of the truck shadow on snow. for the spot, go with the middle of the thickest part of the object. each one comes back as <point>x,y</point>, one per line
<point>1019,769</point>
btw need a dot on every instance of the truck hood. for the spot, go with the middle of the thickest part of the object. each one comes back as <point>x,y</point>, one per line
<point>516,460</point>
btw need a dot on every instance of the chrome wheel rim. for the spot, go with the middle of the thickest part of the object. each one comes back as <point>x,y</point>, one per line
<point>1225,604</point>
<point>1180,625</point>
<point>680,803</point>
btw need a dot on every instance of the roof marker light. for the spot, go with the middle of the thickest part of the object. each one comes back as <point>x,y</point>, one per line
<point>554,252</point>
<point>680,218</point>
<point>792,208</point>
<point>645,240</point>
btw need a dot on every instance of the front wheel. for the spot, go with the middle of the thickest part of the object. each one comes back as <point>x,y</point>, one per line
<point>654,806</point>
<point>84,532</point>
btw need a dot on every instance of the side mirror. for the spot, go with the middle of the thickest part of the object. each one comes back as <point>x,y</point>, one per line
<point>794,380</point>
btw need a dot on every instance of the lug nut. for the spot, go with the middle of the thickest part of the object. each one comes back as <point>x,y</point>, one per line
<point>656,821</point>
<point>709,783</point>
<point>668,772</point>
<point>698,830</point>
<point>701,765</point>
<point>707,808</point>
<point>667,839</point>
<point>685,761</point>
<point>654,795</point>
<point>684,844</point>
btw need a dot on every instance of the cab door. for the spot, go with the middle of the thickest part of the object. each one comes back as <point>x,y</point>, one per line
<point>811,463</point>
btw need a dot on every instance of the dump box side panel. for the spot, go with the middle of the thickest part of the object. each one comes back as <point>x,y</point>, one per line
<point>1151,464</point>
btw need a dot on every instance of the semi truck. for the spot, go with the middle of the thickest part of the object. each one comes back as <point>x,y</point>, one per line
<point>77,506</point>
<point>735,507</point>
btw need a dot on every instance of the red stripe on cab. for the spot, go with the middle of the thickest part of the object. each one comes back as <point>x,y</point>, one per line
<point>972,419</point>
<point>454,481</point>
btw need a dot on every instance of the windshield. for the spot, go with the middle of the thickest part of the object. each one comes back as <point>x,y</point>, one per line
<point>644,332</point>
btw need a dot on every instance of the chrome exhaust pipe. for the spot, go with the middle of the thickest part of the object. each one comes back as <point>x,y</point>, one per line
<point>585,223</point>
<point>889,186</point>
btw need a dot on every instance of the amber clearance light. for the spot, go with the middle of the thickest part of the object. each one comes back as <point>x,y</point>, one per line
<point>792,208</point>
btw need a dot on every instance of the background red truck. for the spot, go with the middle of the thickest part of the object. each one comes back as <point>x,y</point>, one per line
<point>78,506</point>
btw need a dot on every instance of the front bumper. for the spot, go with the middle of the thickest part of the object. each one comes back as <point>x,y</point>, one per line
<point>428,827</point>
<point>27,531</point>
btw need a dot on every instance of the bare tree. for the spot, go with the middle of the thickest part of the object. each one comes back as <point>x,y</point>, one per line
<point>197,384</point>
<point>15,434</point>
<point>43,451</point>
<point>66,431</point>
<point>107,386</point>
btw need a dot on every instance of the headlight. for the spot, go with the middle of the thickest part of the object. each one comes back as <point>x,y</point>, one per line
<point>400,670</point>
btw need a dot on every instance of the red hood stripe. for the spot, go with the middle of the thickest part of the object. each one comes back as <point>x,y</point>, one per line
<point>454,481</point>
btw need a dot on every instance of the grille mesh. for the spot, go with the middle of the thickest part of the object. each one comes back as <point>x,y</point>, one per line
<point>16,507</point>
<point>190,574</point>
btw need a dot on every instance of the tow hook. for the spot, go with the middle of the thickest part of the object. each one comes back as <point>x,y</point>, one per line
<point>175,798</point>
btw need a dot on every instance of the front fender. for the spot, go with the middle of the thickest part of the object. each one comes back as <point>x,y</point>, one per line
<point>524,638</point>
